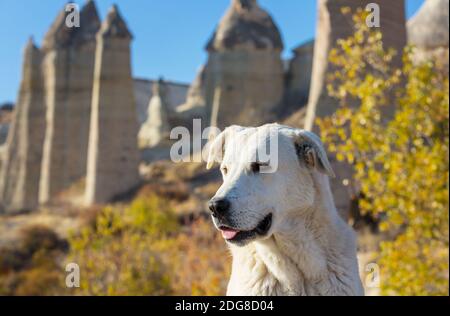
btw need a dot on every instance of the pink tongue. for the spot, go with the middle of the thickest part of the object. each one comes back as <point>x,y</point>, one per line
<point>229,233</point>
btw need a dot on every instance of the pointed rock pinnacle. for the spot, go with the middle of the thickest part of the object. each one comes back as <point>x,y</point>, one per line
<point>246,24</point>
<point>114,25</point>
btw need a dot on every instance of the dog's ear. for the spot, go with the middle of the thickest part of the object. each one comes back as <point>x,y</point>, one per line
<point>216,150</point>
<point>217,146</point>
<point>311,152</point>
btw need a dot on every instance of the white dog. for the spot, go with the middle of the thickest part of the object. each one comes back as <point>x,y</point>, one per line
<point>281,224</point>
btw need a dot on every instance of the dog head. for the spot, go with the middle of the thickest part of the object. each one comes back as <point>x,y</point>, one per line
<point>261,188</point>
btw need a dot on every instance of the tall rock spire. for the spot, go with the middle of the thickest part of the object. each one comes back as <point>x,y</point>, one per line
<point>19,178</point>
<point>245,26</point>
<point>244,73</point>
<point>59,34</point>
<point>429,27</point>
<point>428,31</point>
<point>333,25</point>
<point>156,129</point>
<point>89,23</point>
<point>114,25</point>
<point>113,156</point>
<point>298,78</point>
<point>68,72</point>
<point>195,98</point>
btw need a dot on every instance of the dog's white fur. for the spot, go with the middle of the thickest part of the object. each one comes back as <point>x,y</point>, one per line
<point>309,249</point>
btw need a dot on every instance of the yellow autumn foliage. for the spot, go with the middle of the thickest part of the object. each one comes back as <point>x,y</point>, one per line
<point>399,151</point>
<point>141,249</point>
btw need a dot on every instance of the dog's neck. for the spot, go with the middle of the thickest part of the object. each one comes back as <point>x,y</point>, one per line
<point>315,249</point>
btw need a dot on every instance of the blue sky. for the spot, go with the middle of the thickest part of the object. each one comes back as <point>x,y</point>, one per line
<point>170,35</point>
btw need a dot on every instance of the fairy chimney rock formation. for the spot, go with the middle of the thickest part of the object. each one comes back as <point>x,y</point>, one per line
<point>156,129</point>
<point>333,24</point>
<point>113,156</point>
<point>298,77</point>
<point>195,98</point>
<point>19,178</point>
<point>244,63</point>
<point>428,31</point>
<point>245,26</point>
<point>68,68</point>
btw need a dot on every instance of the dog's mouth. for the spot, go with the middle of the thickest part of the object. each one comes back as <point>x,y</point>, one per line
<point>241,236</point>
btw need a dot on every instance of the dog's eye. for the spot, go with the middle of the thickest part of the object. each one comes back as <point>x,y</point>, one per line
<point>224,170</point>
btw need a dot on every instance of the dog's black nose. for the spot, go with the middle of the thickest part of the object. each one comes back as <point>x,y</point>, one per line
<point>219,206</point>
